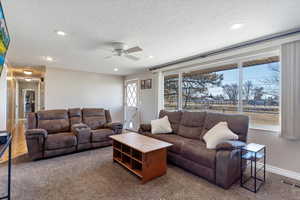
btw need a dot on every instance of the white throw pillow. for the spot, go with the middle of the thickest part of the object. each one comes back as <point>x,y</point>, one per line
<point>218,134</point>
<point>161,125</point>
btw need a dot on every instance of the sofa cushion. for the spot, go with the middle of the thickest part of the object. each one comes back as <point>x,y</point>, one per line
<point>176,140</point>
<point>195,150</point>
<point>60,140</point>
<point>218,134</point>
<point>161,125</point>
<point>174,118</point>
<point>108,116</point>
<point>31,120</point>
<point>101,135</point>
<point>75,116</point>
<point>191,124</point>
<point>94,117</point>
<point>237,123</point>
<point>54,121</point>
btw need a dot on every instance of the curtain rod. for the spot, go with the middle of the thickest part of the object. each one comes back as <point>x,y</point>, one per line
<point>228,48</point>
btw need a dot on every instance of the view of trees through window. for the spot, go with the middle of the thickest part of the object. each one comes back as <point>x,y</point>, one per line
<point>261,95</point>
<point>218,90</point>
<point>171,92</point>
<point>211,90</point>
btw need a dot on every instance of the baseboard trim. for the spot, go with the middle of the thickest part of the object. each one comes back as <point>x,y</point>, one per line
<point>282,172</point>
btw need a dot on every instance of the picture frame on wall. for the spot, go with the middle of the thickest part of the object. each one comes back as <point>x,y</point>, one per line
<point>4,38</point>
<point>142,84</point>
<point>146,84</point>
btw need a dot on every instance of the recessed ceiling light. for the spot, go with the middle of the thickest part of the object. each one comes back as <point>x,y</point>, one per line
<point>116,69</point>
<point>61,33</point>
<point>27,72</point>
<point>28,79</point>
<point>48,58</point>
<point>236,26</point>
<point>150,56</point>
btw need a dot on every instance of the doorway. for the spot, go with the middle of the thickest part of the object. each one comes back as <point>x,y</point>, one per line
<point>25,93</point>
<point>29,102</point>
<point>132,118</point>
<point>28,95</point>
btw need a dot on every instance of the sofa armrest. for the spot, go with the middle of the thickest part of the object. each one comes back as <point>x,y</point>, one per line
<point>37,132</point>
<point>35,139</point>
<point>228,167</point>
<point>144,128</point>
<point>82,133</point>
<point>117,127</point>
<point>80,128</point>
<point>230,145</point>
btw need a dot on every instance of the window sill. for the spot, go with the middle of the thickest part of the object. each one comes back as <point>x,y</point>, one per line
<point>264,131</point>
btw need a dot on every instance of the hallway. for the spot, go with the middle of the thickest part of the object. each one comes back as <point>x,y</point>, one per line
<point>19,147</point>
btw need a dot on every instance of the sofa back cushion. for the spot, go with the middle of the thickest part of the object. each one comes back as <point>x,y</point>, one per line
<point>53,121</point>
<point>237,123</point>
<point>75,116</point>
<point>31,120</point>
<point>191,124</point>
<point>94,117</point>
<point>174,118</point>
<point>108,116</point>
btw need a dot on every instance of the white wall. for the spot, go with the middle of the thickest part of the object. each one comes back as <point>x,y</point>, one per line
<point>69,89</point>
<point>148,101</point>
<point>3,98</point>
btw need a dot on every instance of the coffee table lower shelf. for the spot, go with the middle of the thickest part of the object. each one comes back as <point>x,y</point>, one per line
<point>145,165</point>
<point>128,166</point>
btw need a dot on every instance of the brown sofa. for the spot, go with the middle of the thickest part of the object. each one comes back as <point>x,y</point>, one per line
<point>55,132</point>
<point>221,165</point>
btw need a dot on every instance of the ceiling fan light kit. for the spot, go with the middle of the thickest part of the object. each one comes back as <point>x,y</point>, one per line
<point>120,49</point>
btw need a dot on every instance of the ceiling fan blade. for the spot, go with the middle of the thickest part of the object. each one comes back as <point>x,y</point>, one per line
<point>108,57</point>
<point>133,50</point>
<point>132,57</point>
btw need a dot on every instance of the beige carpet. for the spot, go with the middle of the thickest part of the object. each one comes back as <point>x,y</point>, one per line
<point>93,175</point>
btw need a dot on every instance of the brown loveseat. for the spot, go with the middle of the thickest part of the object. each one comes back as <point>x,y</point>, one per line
<point>55,132</point>
<point>221,165</point>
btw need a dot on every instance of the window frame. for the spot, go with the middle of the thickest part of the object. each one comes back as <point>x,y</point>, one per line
<point>179,106</point>
<point>239,61</point>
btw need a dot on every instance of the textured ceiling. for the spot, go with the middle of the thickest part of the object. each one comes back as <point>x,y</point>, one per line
<point>167,30</point>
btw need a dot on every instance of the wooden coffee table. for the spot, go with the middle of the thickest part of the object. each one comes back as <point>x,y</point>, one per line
<point>144,156</point>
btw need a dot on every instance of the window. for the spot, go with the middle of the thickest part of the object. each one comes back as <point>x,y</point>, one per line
<point>171,96</point>
<point>250,87</point>
<point>261,94</point>
<point>215,90</point>
<point>131,94</point>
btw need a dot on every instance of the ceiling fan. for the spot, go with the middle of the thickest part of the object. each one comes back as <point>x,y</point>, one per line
<point>120,49</point>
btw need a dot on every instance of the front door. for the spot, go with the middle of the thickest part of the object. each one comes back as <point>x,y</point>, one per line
<point>132,121</point>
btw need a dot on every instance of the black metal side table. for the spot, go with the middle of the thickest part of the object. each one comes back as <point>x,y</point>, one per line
<point>3,148</point>
<point>251,154</point>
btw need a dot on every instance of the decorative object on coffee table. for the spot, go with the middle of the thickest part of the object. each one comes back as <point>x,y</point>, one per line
<point>144,156</point>
<point>251,154</point>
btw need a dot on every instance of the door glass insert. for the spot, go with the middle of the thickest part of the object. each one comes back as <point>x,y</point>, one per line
<point>132,94</point>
